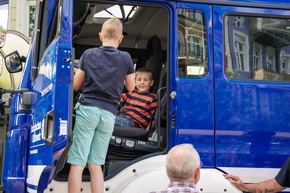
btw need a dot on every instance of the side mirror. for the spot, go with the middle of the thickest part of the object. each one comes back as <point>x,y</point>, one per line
<point>3,21</point>
<point>13,62</point>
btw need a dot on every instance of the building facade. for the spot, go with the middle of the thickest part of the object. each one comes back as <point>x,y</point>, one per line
<point>21,16</point>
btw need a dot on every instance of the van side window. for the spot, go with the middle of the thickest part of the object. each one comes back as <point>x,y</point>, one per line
<point>257,48</point>
<point>192,44</point>
<point>43,36</point>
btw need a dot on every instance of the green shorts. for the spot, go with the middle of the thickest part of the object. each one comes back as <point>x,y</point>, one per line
<point>92,132</point>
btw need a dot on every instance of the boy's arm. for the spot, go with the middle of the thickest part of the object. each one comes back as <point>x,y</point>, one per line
<point>153,106</point>
<point>261,187</point>
<point>79,79</point>
<point>129,82</point>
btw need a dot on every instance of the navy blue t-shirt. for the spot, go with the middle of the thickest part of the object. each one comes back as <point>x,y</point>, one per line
<point>283,177</point>
<point>106,68</point>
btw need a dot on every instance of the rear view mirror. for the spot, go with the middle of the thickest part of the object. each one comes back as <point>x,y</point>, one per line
<point>3,21</point>
<point>13,62</point>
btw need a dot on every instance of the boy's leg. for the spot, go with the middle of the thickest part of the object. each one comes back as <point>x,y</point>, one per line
<point>124,120</point>
<point>99,150</point>
<point>97,178</point>
<point>75,179</point>
<point>87,119</point>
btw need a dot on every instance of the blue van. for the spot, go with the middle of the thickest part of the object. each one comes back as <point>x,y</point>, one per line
<point>222,76</point>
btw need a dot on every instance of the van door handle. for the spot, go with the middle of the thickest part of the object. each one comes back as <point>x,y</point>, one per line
<point>173,95</point>
<point>48,130</point>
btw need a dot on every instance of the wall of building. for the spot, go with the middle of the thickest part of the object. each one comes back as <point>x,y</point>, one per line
<point>21,16</point>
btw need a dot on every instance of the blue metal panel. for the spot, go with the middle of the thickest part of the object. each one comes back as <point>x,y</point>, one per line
<point>252,117</point>
<point>15,171</point>
<point>194,105</point>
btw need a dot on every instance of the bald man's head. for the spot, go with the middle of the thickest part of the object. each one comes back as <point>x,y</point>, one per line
<point>183,163</point>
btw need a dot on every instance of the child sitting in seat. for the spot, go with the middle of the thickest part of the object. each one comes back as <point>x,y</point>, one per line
<point>140,104</point>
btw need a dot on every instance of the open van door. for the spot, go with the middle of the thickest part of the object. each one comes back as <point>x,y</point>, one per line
<point>41,117</point>
<point>51,110</point>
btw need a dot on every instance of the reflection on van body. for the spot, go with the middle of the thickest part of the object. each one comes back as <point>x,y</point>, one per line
<point>257,48</point>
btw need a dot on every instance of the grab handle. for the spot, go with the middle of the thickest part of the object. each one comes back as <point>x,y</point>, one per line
<point>48,130</point>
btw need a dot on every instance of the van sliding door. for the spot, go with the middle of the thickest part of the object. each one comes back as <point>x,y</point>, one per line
<point>252,78</point>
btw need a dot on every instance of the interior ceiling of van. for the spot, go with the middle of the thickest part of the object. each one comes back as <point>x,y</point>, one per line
<point>140,24</point>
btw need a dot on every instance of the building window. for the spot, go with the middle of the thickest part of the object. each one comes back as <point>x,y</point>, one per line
<point>270,59</point>
<point>192,44</point>
<point>195,47</point>
<point>241,49</point>
<point>284,63</point>
<point>257,56</point>
<point>239,21</point>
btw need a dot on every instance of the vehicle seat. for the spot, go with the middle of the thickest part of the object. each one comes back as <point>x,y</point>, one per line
<point>152,59</point>
<point>139,140</point>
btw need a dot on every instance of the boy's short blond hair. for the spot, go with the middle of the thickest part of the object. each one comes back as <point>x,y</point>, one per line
<point>112,29</point>
<point>145,71</point>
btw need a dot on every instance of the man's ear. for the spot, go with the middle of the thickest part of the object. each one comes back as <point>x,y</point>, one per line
<point>197,175</point>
